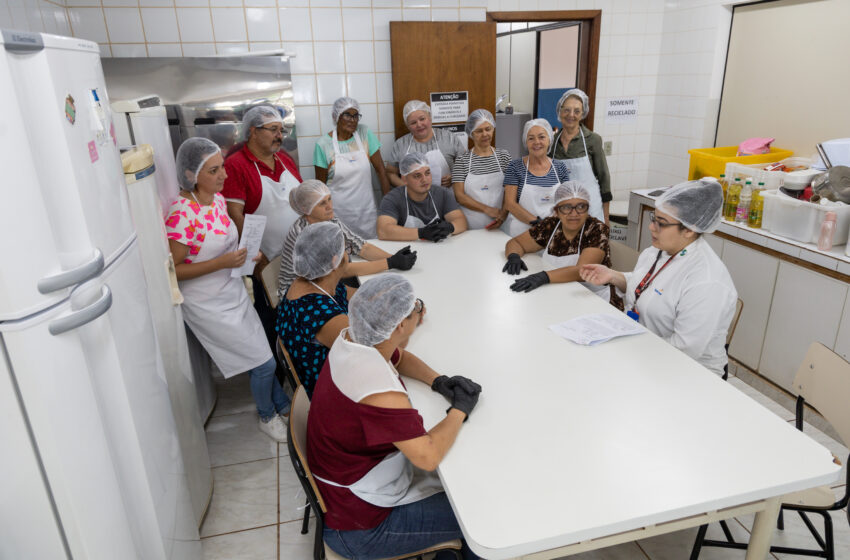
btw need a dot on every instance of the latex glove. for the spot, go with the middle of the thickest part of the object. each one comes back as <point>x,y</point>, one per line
<point>447,227</point>
<point>404,259</point>
<point>431,232</point>
<point>463,401</point>
<point>445,385</point>
<point>530,282</point>
<point>515,264</point>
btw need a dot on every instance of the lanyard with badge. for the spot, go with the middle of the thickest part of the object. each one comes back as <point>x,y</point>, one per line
<point>647,280</point>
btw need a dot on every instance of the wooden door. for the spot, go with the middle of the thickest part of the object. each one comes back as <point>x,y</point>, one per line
<point>440,57</point>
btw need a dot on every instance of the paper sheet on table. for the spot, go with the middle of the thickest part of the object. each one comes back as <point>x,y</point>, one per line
<point>591,330</point>
<point>252,234</point>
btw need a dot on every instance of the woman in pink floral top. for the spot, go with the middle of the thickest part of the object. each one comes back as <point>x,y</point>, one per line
<point>204,243</point>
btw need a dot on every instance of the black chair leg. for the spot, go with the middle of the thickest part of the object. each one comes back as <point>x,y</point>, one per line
<point>827,536</point>
<point>726,531</point>
<point>698,542</point>
<point>780,521</point>
<point>305,525</point>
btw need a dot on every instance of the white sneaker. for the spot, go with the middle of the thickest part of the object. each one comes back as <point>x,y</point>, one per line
<point>274,428</point>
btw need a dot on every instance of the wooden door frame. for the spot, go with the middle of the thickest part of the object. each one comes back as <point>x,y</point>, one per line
<point>591,30</point>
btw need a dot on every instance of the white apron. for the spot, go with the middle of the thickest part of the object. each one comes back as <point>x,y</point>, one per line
<point>536,199</point>
<point>551,262</point>
<point>414,222</point>
<point>274,205</point>
<point>217,309</point>
<point>582,171</point>
<point>436,162</point>
<point>359,371</point>
<point>354,203</point>
<point>487,189</point>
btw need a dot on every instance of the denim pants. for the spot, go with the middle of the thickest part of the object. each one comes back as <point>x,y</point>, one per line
<point>268,394</point>
<point>408,528</point>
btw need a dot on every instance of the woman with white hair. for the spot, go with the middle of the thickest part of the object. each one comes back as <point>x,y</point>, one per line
<point>203,242</point>
<point>530,181</point>
<point>312,200</point>
<point>680,289</point>
<point>581,151</point>
<point>367,446</point>
<point>439,145</point>
<point>569,238</point>
<point>341,159</point>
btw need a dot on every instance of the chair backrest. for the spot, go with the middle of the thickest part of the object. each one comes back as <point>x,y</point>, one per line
<point>623,257</point>
<point>739,306</point>
<point>284,357</point>
<point>823,380</point>
<point>269,278</point>
<point>297,443</point>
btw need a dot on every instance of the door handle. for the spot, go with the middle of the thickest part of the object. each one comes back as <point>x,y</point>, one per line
<point>72,277</point>
<point>84,315</point>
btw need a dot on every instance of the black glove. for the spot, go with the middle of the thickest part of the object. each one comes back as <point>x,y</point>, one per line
<point>515,265</point>
<point>402,260</point>
<point>535,222</point>
<point>431,232</point>
<point>530,282</point>
<point>463,401</point>
<point>445,385</point>
<point>444,229</point>
<point>447,227</point>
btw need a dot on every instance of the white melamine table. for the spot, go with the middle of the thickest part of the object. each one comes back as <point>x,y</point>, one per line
<point>573,448</point>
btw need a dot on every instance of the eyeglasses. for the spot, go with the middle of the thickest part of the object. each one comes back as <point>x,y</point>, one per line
<point>567,209</point>
<point>661,224</point>
<point>275,130</point>
<point>418,306</point>
<point>351,116</point>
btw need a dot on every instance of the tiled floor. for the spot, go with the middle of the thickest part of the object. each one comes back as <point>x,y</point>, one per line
<point>255,513</point>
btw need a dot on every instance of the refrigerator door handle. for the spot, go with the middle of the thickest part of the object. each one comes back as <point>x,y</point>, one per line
<point>72,277</point>
<point>84,315</point>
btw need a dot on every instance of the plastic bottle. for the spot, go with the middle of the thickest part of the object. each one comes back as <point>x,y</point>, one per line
<point>724,184</point>
<point>756,207</point>
<point>827,231</point>
<point>742,213</point>
<point>732,197</point>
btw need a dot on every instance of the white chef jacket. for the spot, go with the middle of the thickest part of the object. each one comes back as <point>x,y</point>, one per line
<point>690,304</point>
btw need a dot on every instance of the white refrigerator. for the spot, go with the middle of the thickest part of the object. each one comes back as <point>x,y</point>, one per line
<point>91,459</point>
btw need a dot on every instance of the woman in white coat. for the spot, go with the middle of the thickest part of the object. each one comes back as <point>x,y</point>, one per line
<point>680,289</point>
<point>569,238</point>
<point>203,241</point>
<point>479,174</point>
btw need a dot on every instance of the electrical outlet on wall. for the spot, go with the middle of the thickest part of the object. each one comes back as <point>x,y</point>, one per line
<point>606,146</point>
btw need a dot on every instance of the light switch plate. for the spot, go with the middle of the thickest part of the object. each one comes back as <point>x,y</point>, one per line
<point>606,146</point>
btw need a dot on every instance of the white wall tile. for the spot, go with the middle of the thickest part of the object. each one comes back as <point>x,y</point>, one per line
<point>195,24</point>
<point>326,123</point>
<point>357,24</point>
<point>295,24</point>
<point>383,57</point>
<point>118,3</point>
<point>387,139</point>
<point>134,50</point>
<point>325,3</point>
<point>199,49</point>
<point>306,145</point>
<point>331,87</point>
<point>384,85</point>
<point>293,3</point>
<point>303,61</point>
<point>262,46</point>
<point>356,3</point>
<point>386,119</point>
<point>381,20</point>
<point>164,49</point>
<point>415,14</point>
<point>473,14</point>
<point>105,50</point>
<point>260,3</point>
<point>156,3</point>
<point>307,120</point>
<point>307,172</point>
<point>359,57</point>
<point>262,24</point>
<point>386,3</point>
<point>88,23</point>
<point>225,3</point>
<point>304,89</point>
<point>329,57</point>
<point>416,3</point>
<point>192,3</point>
<point>362,87</point>
<point>370,115</point>
<point>160,25</point>
<point>327,24</point>
<point>229,24</point>
<point>445,14</point>
<point>231,48</point>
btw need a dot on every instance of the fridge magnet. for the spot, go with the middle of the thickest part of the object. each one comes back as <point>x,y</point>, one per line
<point>93,151</point>
<point>70,110</point>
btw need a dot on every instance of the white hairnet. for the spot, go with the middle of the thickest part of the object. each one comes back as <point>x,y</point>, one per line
<point>575,92</point>
<point>697,204</point>
<point>542,123</point>
<point>411,162</point>
<point>318,250</point>
<point>307,195</point>
<point>414,105</point>
<point>477,117</point>
<point>343,104</point>
<point>260,115</point>
<point>191,157</point>
<point>571,189</point>
<point>377,308</point>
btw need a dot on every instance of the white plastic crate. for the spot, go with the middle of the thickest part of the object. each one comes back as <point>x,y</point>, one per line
<point>800,220</point>
<point>771,179</point>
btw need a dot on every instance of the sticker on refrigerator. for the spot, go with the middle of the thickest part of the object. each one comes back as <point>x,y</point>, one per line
<point>98,118</point>
<point>70,110</point>
<point>93,151</point>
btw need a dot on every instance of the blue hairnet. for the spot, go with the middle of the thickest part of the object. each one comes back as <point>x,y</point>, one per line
<point>575,92</point>
<point>378,307</point>
<point>318,250</point>
<point>697,204</point>
<point>343,104</point>
<point>260,115</point>
<point>411,162</point>
<point>191,157</point>
<point>477,117</point>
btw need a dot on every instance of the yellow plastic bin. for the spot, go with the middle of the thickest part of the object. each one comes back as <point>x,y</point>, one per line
<point>711,162</point>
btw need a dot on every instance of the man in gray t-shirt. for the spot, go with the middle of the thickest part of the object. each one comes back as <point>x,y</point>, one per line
<point>417,210</point>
